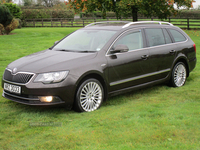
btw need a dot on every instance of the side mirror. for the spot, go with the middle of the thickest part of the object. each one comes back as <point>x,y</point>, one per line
<point>56,42</point>
<point>120,49</point>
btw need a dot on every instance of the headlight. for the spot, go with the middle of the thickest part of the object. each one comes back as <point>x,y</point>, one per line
<point>51,77</point>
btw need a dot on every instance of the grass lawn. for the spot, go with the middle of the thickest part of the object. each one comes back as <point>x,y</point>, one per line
<point>159,117</point>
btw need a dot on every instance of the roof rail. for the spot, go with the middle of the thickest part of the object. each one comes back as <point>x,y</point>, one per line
<point>140,22</point>
<point>103,22</point>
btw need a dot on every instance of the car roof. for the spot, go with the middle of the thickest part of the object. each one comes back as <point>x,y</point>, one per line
<point>120,25</point>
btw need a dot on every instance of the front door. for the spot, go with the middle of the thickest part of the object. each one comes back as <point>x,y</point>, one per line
<point>128,69</point>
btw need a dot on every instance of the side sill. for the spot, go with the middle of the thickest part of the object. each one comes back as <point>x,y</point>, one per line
<point>129,89</point>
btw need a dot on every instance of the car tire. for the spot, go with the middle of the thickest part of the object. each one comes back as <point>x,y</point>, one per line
<point>179,75</point>
<point>89,96</point>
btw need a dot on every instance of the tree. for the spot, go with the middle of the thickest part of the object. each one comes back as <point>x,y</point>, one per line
<point>46,3</point>
<point>49,3</point>
<point>92,5</point>
<point>5,1</point>
<point>149,8</point>
<point>28,2</point>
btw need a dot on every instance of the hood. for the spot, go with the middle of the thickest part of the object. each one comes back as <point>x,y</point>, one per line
<point>49,61</point>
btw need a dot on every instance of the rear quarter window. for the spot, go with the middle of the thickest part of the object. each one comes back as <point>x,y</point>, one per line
<point>178,37</point>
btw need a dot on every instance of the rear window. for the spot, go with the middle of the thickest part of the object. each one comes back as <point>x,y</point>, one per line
<point>178,37</point>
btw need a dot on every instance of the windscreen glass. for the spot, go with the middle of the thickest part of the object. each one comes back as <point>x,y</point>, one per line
<point>85,40</point>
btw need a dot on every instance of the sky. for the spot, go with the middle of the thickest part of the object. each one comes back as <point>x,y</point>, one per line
<point>195,5</point>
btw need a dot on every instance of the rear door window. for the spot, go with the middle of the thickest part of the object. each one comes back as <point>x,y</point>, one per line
<point>178,37</point>
<point>167,37</point>
<point>155,37</point>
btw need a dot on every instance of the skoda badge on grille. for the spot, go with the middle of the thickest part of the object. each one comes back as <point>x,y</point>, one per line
<point>14,71</point>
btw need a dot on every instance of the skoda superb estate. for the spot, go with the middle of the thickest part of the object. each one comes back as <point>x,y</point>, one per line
<point>100,60</point>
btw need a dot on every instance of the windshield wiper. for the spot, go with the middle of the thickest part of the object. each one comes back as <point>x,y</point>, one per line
<point>86,51</point>
<point>65,50</point>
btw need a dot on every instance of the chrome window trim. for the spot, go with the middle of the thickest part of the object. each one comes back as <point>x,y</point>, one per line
<point>18,73</point>
<point>138,77</point>
<point>144,47</point>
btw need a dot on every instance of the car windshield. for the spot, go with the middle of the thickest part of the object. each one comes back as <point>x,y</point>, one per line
<point>85,41</point>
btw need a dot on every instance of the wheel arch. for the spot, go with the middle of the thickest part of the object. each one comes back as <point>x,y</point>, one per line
<point>96,76</point>
<point>185,61</point>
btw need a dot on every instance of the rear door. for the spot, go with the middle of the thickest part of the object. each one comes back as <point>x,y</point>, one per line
<point>162,52</point>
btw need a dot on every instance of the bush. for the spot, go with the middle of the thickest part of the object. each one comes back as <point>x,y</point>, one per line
<point>1,29</point>
<point>110,14</point>
<point>13,25</point>
<point>189,13</point>
<point>60,13</point>
<point>6,30</point>
<point>6,16</point>
<point>7,22</point>
<point>97,14</point>
<point>14,9</point>
<point>19,23</point>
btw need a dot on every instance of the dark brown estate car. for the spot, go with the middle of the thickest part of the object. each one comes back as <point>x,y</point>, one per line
<point>100,60</point>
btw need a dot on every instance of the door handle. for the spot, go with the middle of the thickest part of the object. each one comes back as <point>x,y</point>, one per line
<point>172,51</point>
<point>145,57</point>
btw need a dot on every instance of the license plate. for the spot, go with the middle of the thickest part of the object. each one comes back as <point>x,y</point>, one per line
<point>12,88</point>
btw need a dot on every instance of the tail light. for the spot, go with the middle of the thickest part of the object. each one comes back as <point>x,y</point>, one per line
<point>194,47</point>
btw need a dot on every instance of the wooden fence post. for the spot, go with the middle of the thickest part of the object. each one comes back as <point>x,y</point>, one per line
<point>188,24</point>
<point>34,22</point>
<point>72,22</point>
<point>49,22</point>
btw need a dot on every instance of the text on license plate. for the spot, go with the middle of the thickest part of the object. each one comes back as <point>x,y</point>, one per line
<point>12,88</point>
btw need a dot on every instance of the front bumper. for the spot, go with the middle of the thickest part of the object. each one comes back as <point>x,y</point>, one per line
<point>62,93</point>
<point>29,100</point>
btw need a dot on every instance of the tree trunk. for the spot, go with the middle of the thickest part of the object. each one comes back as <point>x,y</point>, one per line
<point>134,13</point>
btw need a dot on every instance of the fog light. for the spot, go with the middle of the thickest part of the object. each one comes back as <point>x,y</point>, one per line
<point>47,99</point>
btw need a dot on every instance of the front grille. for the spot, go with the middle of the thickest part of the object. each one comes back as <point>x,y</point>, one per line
<point>18,78</point>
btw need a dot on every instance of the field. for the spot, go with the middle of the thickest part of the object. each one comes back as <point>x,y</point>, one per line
<point>155,118</point>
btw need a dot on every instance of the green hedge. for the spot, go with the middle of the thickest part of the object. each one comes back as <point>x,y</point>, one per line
<point>14,9</point>
<point>189,14</point>
<point>64,13</point>
<point>97,14</point>
<point>46,13</point>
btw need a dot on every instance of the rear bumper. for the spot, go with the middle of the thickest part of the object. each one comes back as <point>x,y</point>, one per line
<point>193,63</point>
